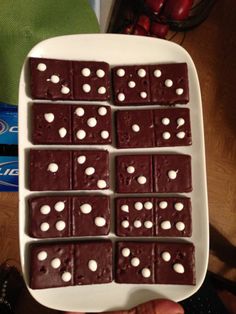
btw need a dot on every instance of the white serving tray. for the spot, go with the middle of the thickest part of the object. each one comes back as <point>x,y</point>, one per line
<point>117,49</point>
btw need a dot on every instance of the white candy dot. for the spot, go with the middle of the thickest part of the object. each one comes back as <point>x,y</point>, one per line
<point>148,224</point>
<point>137,224</point>
<point>141,73</point>
<point>41,67</point>
<point>180,122</point>
<point>55,79</point>
<point>168,83</point>
<point>102,111</point>
<point>53,167</point>
<point>44,226</point>
<point>62,132</point>
<point>148,205</point>
<point>141,180</point>
<point>138,205</point>
<point>121,96</point>
<point>165,121</point>
<point>91,122</point>
<point>125,252</point>
<point>56,263</point>
<point>102,90</point>
<point>163,204</point>
<point>42,256</point>
<point>100,73</point>
<point>166,135</point>
<point>125,208</point>
<point>105,134</point>
<point>143,95</point>
<point>45,209</point>
<point>100,221</point>
<point>146,273</point>
<point>179,91</point>
<point>165,225</point>
<point>172,174</point>
<point>81,159</point>
<point>60,225</point>
<point>49,117</point>
<point>179,206</point>
<point>125,224</point>
<point>130,169</point>
<point>86,72</point>
<point>135,127</point>
<point>89,171</point>
<point>157,73</point>
<point>66,276</point>
<point>180,226</point>
<point>65,90</point>
<point>181,135</point>
<point>166,256</point>
<point>59,206</point>
<point>131,84</point>
<point>120,72</point>
<point>86,88</point>
<point>135,261</point>
<point>92,265</point>
<point>101,184</point>
<point>86,208</point>
<point>81,134</point>
<point>79,111</point>
<point>178,268</point>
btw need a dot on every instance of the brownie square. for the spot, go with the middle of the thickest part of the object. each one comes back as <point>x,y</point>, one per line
<point>135,128</point>
<point>169,83</point>
<point>91,170</point>
<point>49,216</point>
<point>135,216</point>
<point>92,124</point>
<point>51,265</point>
<point>173,217</point>
<point>93,263</point>
<point>91,80</point>
<point>51,79</point>
<point>134,174</point>
<point>135,262</point>
<point>51,124</point>
<point>175,263</point>
<point>91,215</point>
<point>172,173</point>
<point>131,85</point>
<point>172,127</point>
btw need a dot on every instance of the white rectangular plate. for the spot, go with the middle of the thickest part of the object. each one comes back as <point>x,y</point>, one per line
<point>117,50</point>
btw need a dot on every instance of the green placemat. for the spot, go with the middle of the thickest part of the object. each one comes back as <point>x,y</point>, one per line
<point>24,23</point>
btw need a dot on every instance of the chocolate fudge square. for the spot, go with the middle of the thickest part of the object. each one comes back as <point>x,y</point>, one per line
<point>134,174</point>
<point>135,128</point>
<point>91,170</point>
<point>51,124</point>
<point>91,80</point>
<point>93,263</point>
<point>135,216</point>
<point>175,263</point>
<point>173,217</point>
<point>135,262</point>
<point>169,83</point>
<point>172,127</point>
<point>92,124</point>
<point>131,85</point>
<point>51,79</point>
<point>50,170</point>
<point>51,265</point>
<point>91,215</point>
<point>172,173</point>
<point>49,216</point>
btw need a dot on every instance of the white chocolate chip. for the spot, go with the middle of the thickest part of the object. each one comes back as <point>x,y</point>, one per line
<point>180,122</point>
<point>179,206</point>
<point>179,91</point>
<point>86,88</point>
<point>130,169</point>
<point>44,226</point>
<point>42,256</point>
<point>135,127</point>
<point>131,84</point>
<point>148,205</point>
<point>102,111</point>
<point>55,79</point>
<point>125,208</point>
<point>49,117</point>
<point>56,263</point>
<point>165,121</point>
<point>120,72</point>
<point>180,226</point>
<point>121,96</point>
<point>100,73</point>
<point>79,112</point>
<point>125,252</point>
<point>178,268</point>
<point>101,184</point>
<point>181,135</point>
<point>53,167</point>
<point>148,224</point>
<point>86,72</point>
<point>65,90</point>
<point>172,174</point>
<point>66,276</point>
<point>166,135</point>
<point>92,265</point>
<point>62,132</point>
<point>125,224</point>
<point>168,83</point>
<point>135,261</point>
<point>86,208</point>
<point>166,256</point>
<point>41,67</point>
<point>59,206</point>
<point>105,134</point>
<point>102,90</point>
<point>141,73</point>
<point>45,209</point>
<point>137,224</point>
<point>138,205</point>
<point>89,171</point>
<point>60,225</point>
<point>163,204</point>
<point>100,221</point>
<point>142,180</point>
<point>143,95</point>
<point>81,159</point>
<point>146,273</point>
<point>81,134</point>
<point>92,122</point>
<point>157,73</point>
<point>166,225</point>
